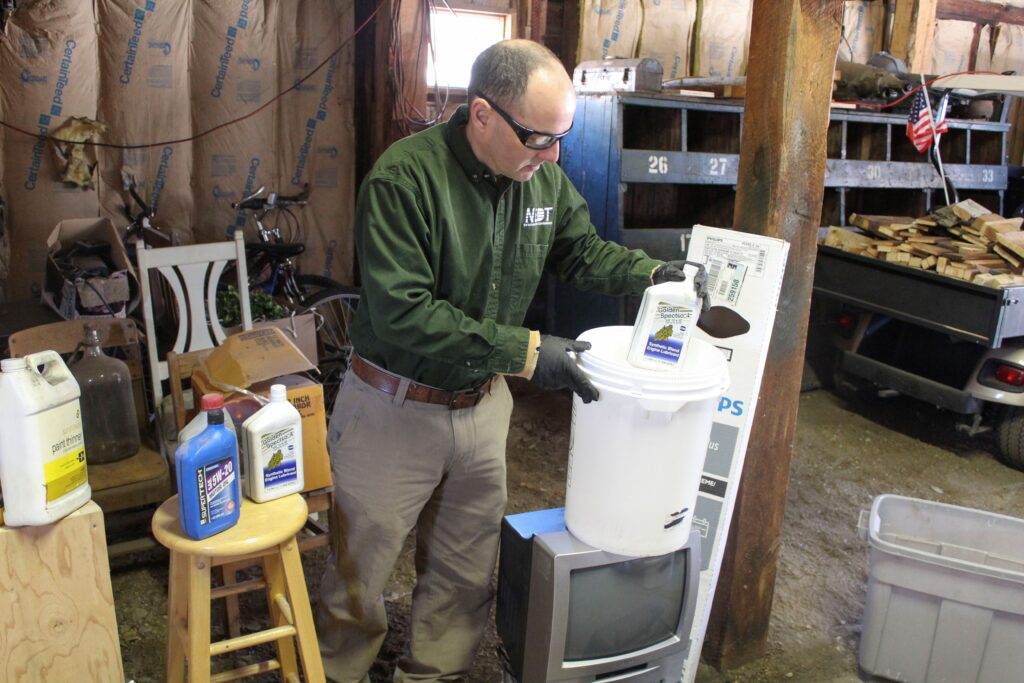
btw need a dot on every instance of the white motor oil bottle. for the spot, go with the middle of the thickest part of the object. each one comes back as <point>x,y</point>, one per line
<point>272,448</point>
<point>664,325</point>
<point>42,449</point>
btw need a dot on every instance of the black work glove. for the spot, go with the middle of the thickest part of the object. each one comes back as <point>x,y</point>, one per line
<point>672,271</point>
<point>556,369</point>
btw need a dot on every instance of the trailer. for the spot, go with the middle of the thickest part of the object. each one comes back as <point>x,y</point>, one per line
<point>948,342</point>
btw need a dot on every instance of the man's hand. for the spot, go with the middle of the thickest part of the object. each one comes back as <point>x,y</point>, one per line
<point>670,271</point>
<point>556,369</point>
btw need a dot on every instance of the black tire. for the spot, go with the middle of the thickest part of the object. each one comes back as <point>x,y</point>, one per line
<point>311,284</point>
<point>334,308</point>
<point>1010,437</point>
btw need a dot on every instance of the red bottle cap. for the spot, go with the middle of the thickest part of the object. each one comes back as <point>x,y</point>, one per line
<point>212,402</point>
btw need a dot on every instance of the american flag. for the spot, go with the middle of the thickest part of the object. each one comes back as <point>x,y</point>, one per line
<point>919,123</point>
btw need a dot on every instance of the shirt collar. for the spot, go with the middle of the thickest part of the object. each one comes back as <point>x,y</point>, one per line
<point>455,136</point>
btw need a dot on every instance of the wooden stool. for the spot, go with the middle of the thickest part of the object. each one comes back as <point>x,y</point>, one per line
<point>264,531</point>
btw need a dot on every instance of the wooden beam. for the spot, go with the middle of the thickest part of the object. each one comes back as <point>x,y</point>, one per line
<point>779,193</point>
<point>979,12</point>
<point>913,33</point>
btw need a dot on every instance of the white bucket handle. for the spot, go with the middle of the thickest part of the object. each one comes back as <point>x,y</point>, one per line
<point>54,371</point>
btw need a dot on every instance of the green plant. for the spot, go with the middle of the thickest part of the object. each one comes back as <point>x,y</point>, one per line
<point>261,304</point>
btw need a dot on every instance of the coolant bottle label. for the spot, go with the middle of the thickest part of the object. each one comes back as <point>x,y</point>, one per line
<point>214,483</point>
<point>64,469</point>
<point>277,453</point>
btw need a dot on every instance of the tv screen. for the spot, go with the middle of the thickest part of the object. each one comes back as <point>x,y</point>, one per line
<point>620,608</point>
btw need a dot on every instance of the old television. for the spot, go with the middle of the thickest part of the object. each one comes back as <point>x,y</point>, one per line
<point>569,612</point>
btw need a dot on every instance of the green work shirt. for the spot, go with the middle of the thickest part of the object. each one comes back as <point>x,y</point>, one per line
<point>450,258</point>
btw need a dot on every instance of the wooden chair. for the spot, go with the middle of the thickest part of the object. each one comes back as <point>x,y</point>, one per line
<point>191,273</point>
<point>144,478</point>
<point>266,533</point>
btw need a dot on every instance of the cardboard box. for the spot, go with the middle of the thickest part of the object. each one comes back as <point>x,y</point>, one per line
<point>74,298</point>
<point>248,363</point>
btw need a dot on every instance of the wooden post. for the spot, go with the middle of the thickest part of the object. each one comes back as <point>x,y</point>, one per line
<point>793,48</point>
<point>913,33</point>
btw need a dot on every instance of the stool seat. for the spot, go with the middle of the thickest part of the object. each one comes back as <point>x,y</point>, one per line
<point>260,526</point>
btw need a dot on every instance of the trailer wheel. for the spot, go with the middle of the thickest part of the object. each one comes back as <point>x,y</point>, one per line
<point>1010,437</point>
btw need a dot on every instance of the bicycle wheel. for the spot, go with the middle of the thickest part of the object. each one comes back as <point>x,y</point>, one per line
<point>333,308</point>
<point>312,284</point>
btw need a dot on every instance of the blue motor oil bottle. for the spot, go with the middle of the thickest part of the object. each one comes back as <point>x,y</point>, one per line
<point>209,491</point>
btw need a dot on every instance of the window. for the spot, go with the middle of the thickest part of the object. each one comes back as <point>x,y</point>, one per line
<point>457,37</point>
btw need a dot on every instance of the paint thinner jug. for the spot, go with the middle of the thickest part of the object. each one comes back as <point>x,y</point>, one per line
<point>42,448</point>
<point>636,455</point>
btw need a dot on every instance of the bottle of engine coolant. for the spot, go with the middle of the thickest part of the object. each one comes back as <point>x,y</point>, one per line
<point>272,448</point>
<point>661,333</point>
<point>209,495</point>
<point>42,448</point>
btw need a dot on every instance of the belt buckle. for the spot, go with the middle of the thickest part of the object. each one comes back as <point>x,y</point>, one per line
<point>456,395</point>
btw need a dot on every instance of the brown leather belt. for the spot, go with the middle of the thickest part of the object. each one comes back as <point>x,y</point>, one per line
<point>382,380</point>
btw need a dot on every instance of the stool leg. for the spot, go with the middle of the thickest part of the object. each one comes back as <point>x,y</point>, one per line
<point>229,575</point>
<point>199,619</point>
<point>177,613</point>
<point>298,598</point>
<point>273,572</point>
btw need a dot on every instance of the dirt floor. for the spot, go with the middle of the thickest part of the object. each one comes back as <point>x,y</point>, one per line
<point>846,453</point>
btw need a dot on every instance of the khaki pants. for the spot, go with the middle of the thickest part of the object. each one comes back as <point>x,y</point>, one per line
<point>397,465</point>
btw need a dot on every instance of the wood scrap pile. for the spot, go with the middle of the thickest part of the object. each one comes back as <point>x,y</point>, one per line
<point>964,241</point>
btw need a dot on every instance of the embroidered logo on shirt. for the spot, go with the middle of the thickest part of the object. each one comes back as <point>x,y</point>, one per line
<point>537,217</point>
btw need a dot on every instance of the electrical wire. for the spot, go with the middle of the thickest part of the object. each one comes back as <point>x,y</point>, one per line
<point>406,111</point>
<point>220,126</point>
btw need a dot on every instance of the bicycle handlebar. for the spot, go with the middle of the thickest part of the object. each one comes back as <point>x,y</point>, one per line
<point>255,202</point>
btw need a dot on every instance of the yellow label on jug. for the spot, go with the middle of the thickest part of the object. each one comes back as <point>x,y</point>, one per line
<point>64,474</point>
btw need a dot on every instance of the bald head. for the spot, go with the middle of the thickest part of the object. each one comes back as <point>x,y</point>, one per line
<point>502,72</point>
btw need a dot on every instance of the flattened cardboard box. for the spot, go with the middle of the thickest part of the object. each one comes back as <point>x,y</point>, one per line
<point>120,289</point>
<point>253,361</point>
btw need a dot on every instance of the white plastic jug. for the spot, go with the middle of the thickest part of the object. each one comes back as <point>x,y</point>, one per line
<point>272,449</point>
<point>636,455</point>
<point>42,449</point>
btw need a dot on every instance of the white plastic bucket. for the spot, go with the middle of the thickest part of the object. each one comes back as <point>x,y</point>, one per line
<point>636,455</point>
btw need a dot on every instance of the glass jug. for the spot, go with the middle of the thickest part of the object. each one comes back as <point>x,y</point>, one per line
<point>108,410</point>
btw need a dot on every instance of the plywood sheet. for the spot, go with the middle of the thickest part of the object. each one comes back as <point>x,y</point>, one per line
<point>58,605</point>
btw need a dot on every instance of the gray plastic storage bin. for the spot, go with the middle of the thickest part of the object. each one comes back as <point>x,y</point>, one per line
<point>945,600</point>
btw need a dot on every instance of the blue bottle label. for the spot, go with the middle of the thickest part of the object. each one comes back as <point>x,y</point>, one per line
<point>214,482</point>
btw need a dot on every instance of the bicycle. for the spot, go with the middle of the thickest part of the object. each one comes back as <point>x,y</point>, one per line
<point>272,271</point>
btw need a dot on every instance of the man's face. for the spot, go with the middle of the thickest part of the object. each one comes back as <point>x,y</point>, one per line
<point>548,105</point>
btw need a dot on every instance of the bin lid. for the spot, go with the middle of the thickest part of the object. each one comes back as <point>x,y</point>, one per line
<point>704,373</point>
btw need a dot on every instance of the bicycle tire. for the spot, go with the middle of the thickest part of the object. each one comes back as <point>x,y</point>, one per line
<point>334,308</point>
<point>312,284</point>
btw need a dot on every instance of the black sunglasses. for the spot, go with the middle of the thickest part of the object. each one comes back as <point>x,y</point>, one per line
<point>532,139</point>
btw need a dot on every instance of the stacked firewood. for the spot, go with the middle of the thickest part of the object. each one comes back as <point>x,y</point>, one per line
<point>964,241</point>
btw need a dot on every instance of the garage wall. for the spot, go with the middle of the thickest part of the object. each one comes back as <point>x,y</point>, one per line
<point>164,70</point>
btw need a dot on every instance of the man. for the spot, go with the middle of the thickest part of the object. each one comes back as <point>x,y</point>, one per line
<point>454,228</point>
